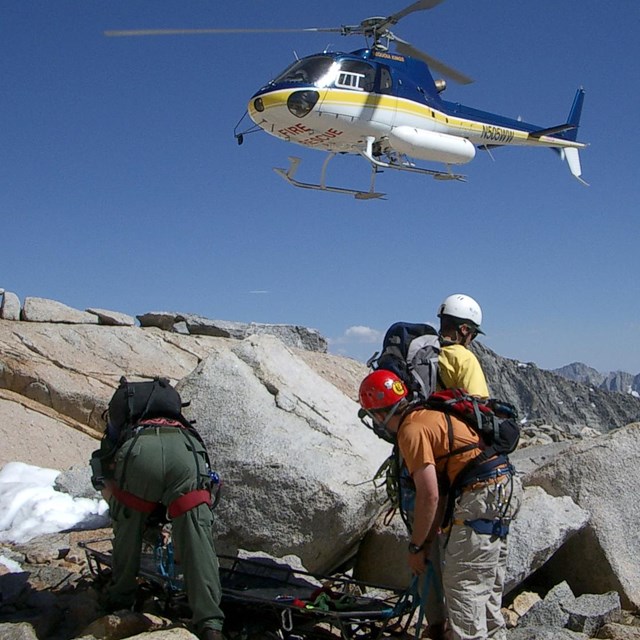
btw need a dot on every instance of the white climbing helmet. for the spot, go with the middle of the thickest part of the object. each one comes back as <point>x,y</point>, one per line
<point>462,307</point>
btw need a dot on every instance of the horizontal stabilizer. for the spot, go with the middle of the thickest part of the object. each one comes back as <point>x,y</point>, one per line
<point>569,130</point>
<point>552,130</point>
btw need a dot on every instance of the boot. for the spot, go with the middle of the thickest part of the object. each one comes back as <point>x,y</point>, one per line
<point>436,631</point>
<point>212,634</point>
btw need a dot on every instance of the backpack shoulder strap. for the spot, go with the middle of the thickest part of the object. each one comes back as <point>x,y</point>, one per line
<point>452,452</point>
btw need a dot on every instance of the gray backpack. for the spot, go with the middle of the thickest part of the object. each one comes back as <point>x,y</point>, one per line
<point>411,352</point>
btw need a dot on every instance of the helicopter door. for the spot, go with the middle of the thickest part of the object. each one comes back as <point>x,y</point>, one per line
<point>371,99</point>
<point>388,104</point>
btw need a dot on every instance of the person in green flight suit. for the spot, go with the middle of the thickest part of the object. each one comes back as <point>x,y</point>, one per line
<point>153,458</point>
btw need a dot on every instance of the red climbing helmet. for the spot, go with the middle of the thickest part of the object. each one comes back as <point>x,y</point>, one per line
<point>381,389</point>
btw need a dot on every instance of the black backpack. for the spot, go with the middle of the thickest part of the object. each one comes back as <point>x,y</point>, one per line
<point>495,421</point>
<point>410,350</point>
<point>133,402</point>
<point>130,405</point>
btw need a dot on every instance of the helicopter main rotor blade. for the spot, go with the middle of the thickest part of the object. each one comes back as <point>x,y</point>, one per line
<point>435,64</point>
<point>420,5</point>
<point>180,32</point>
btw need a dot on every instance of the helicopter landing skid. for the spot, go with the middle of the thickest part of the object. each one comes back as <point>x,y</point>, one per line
<point>406,165</point>
<point>289,174</point>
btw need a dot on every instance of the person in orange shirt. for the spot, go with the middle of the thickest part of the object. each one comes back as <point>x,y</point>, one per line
<point>444,457</point>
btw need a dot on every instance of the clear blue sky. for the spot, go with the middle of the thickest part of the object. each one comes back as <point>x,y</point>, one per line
<point>122,186</point>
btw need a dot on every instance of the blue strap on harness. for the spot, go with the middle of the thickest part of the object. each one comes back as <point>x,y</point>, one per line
<point>165,563</point>
<point>429,576</point>
<point>498,527</point>
<point>483,526</point>
<point>493,468</point>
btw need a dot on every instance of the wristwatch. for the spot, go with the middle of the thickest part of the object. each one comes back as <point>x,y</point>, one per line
<point>415,548</point>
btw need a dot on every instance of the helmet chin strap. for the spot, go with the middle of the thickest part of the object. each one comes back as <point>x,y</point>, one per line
<point>369,421</point>
<point>383,426</point>
<point>391,413</point>
<point>378,427</point>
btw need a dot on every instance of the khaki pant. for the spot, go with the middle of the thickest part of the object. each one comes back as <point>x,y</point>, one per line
<point>474,564</point>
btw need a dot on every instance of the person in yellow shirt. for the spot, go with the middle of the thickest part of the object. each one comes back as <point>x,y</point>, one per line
<point>458,367</point>
<point>460,319</point>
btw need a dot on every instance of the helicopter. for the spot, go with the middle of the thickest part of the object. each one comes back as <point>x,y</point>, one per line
<point>385,106</point>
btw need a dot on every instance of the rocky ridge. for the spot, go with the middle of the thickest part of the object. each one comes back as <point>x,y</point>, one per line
<point>544,397</point>
<point>45,310</point>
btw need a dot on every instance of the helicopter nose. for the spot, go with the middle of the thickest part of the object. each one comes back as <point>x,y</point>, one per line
<point>300,103</point>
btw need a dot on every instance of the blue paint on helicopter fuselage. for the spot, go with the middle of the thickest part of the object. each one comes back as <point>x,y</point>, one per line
<point>411,80</point>
<point>462,111</point>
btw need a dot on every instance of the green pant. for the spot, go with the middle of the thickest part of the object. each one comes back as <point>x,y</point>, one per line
<point>159,465</point>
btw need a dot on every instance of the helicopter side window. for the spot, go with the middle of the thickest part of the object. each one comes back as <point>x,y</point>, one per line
<point>311,70</point>
<point>350,80</point>
<point>386,82</point>
<point>355,75</point>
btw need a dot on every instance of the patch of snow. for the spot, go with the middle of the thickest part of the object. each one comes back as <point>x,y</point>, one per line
<point>30,506</point>
<point>11,565</point>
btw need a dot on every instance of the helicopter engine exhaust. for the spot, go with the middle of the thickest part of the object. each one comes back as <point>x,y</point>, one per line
<point>431,145</point>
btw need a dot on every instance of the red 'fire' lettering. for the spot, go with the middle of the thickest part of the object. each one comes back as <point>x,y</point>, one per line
<point>294,130</point>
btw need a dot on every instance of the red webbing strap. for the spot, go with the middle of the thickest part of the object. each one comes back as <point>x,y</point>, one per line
<point>132,501</point>
<point>189,501</point>
<point>177,508</point>
<point>160,422</point>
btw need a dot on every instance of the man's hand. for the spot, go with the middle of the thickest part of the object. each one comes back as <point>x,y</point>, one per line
<point>418,561</point>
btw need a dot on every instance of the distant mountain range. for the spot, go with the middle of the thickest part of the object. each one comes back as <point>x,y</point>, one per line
<point>613,381</point>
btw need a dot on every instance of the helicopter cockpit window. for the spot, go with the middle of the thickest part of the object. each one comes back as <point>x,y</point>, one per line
<point>356,75</point>
<point>309,71</point>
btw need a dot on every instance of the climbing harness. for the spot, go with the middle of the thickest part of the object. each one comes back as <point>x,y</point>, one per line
<point>181,504</point>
